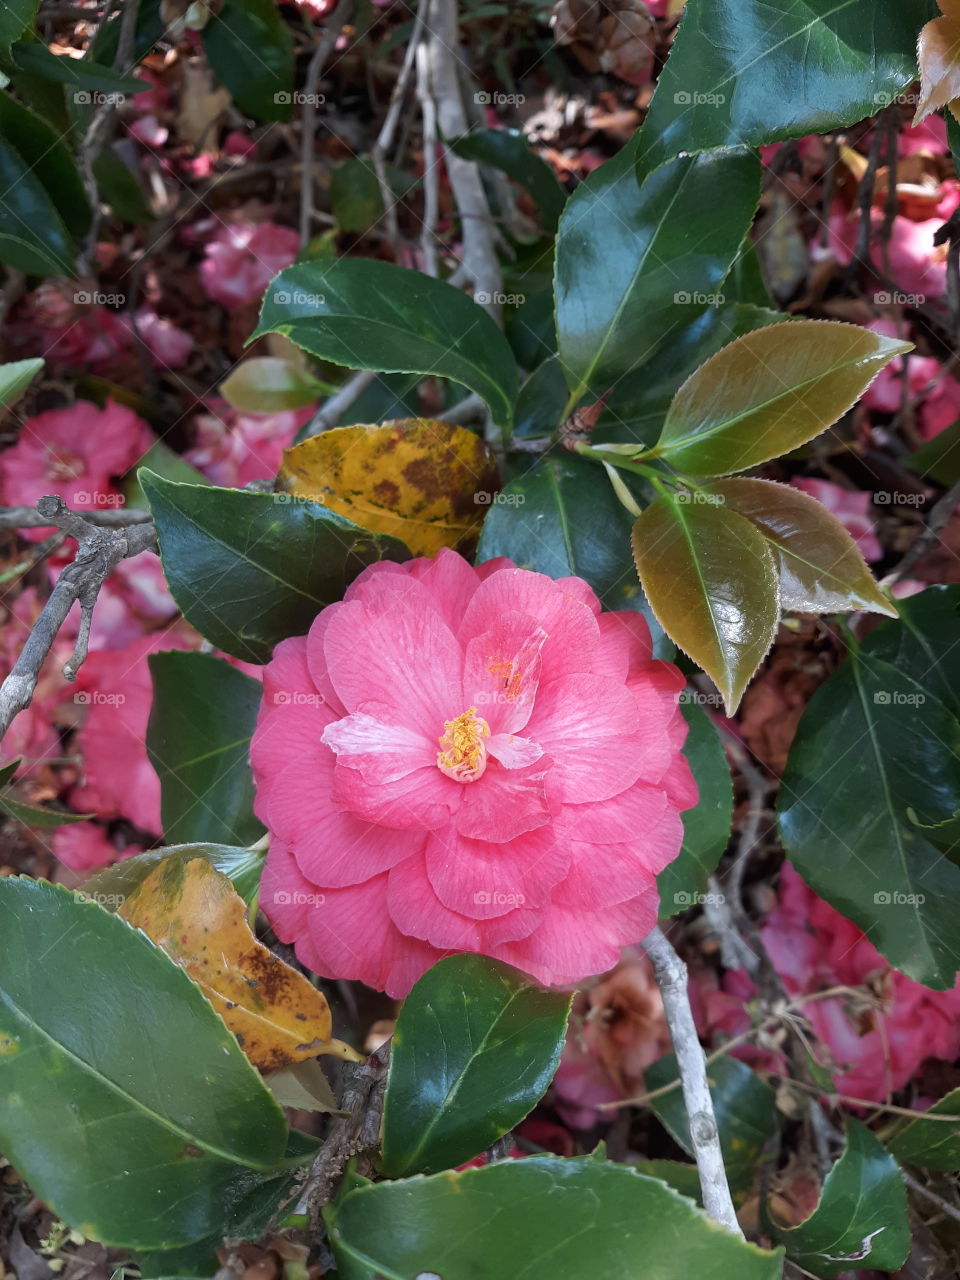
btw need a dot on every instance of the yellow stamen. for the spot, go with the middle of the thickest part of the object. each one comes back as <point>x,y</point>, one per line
<point>463,755</point>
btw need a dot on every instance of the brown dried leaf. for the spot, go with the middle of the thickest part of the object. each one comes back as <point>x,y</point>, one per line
<point>938,51</point>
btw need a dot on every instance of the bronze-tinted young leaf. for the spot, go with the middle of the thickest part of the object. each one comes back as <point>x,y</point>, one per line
<point>938,51</point>
<point>711,580</point>
<point>821,568</point>
<point>769,392</point>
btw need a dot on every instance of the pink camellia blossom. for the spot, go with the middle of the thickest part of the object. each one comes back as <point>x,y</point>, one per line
<point>852,509</point>
<point>940,407</point>
<point>85,846</point>
<point>243,258</point>
<point>885,393</point>
<point>75,452</point>
<point>233,448</point>
<point>457,759</point>
<point>170,346</point>
<point>878,1039</point>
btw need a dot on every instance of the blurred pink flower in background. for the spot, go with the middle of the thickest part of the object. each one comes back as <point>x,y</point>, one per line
<point>852,509</point>
<point>85,846</point>
<point>242,259</point>
<point>233,448</point>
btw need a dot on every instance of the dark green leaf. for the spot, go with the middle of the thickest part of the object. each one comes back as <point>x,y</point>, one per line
<point>682,1177</point>
<point>541,401</point>
<point>250,48</point>
<point>924,643</point>
<point>15,377</point>
<point>49,160</point>
<point>782,69</point>
<point>371,315</point>
<point>111,886</point>
<point>115,1065</point>
<point>876,753</point>
<point>120,189</point>
<point>712,582</point>
<point>769,392</point>
<point>939,458</point>
<point>250,569</point>
<point>149,28</point>
<point>635,264</point>
<point>745,1109</point>
<point>355,195</point>
<point>476,1046</point>
<point>931,1144</point>
<point>706,828</point>
<point>8,770</point>
<point>15,15</point>
<point>88,79</point>
<point>32,815</point>
<point>533,1219</point>
<point>198,740</point>
<point>32,235</point>
<point>508,149</point>
<point>531,329</point>
<point>861,1221</point>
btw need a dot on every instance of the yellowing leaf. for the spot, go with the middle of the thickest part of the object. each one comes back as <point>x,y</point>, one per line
<point>938,51</point>
<point>194,913</point>
<point>270,384</point>
<point>426,482</point>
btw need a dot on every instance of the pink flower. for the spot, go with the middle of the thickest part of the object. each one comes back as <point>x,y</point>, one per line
<point>918,265</point>
<point>851,508</point>
<point>885,393</point>
<point>170,346</point>
<point>85,846</point>
<point>233,448</point>
<point>239,144</point>
<point>243,258</point>
<point>941,406</point>
<point>149,131</point>
<point>75,452</point>
<point>535,832</point>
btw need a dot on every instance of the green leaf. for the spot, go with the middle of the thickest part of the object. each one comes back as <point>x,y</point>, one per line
<point>49,161</point>
<point>371,315</point>
<point>250,48</point>
<point>32,815</point>
<point>861,1217</point>
<point>876,753</point>
<point>114,1064</point>
<point>84,77</point>
<point>476,1046</point>
<point>15,16</point>
<point>541,401</point>
<point>931,1144</point>
<point>355,196</point>
<point>32,235</point>
<point>531,1219</point>
<point>110,887</point>
<point>637,263</point>
<point>745,1109</point>
<point>271,384</point>
<point>250,569</point>
<point>939,458</point>
<point>10,768</point>
<point>682,1177</point>
<point>924,643</point>
<point>769,392</point>
<point>15,377</point>
<point>712,582</point>
<point>163,461</point>
<point>149,28</point>
<point>120,188</point>
<point>508,150</point>
<point>820,566</point>
<point>782,69</point>
<point>198,740</point>
<point>706,828</point>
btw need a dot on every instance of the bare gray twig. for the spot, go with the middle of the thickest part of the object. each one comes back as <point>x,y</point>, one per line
<point>308,125</point>
<point>335,406</point>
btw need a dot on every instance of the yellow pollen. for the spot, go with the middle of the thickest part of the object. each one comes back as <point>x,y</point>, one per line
<point>463,755</point>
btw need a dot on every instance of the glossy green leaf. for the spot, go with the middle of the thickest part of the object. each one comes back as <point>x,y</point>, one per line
<point>875,756</point>
<point>250,569</point>
<point>745,1109</point>
<point>939,458</point>
<point>15,15</point>
<point>476,1045</point>
<point>371,315</point>
<point>635,264</point>
<point>541,401</point>
<point>706,828</point>
<point>50,162</point>
<point>861,1221</point>
<point>84,77</point>
<point>355,195</point>
<point>32,815</point>
<point>682,1177</point>
<point>250,48</point>
<point>32,235</point>
<point>532,1219</point>
<point>112,1062</point>
<point>713,585</point>
<point>769,392</point>
<point>508,149</point>
<point>924,643</point>
<point>111,886</point>
<point>198,740</point>
<point>15,377</point>
<point>931,1144</point>
<point>821,568</point>
<point>781,69</point>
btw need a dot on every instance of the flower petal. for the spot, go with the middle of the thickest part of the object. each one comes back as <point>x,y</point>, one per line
<point>504,803</point>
